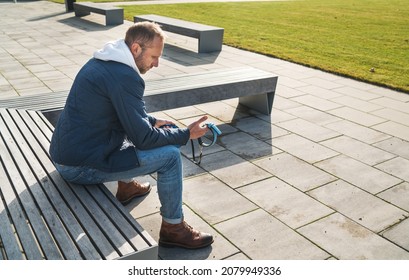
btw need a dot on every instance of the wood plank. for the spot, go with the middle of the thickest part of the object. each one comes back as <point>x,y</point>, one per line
<point>18,215</point>
<point>79,221</point>
<point>7,235</point>
<point>37,180</point>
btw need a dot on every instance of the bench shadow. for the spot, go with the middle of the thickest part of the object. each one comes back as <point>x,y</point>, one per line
<point>46,16</point>
<point>187,57</point>
<point>85,24</point>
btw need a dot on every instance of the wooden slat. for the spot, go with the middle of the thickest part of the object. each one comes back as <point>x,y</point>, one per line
<point>37,186</point>
<point>119,229</point>
<point>78,220</point>
<point>7,235</point>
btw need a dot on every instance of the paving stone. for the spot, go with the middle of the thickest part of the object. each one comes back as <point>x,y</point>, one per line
<point>240,174</point>
<point>351,83</point>
<point>222,111</point>
<point>358,150</point>
<point>295,172</point>
<point>286,203</point>
<point>392,104</point>
<point>398,167</point>
<point>212,200</point>
<point>313,115</point>
<point>399,234</point>
<point>259,128</point>
<point>284,103</point>
<point>357,93</point>
<point>319,92</point>
<point>285,91</point>
<point>303,148</point>
<point>246,145</point>
<point>396,146</point>
<point>323,83</point>
<point>248,233</point>
<point>393,115</point>
<point>356,116</point>
<point>358,132</point>
<point>394,129</point>
<point>358,205</point>
<point>316,102</point>
<point>356,104</point>
<point>308,129</point>
<point>347,240</point>
<point>276,116</point>
<point>398,195</point>
<point>358,174</point>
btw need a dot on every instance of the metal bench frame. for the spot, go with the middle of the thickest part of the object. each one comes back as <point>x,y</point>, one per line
<point>210,37</point>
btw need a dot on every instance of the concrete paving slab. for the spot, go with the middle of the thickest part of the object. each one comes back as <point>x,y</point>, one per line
<point>358,150</point>
<point>370,179</point>
<point>398,195</point>
<point>398,234</point>
<point>398,167</point>
<point>295,172</point>
<point>347,240</point>
<point>303,148</point>
<point>286,203</point>
<point>358,205</point>
<point>262,237</point>
<point>212,200</point>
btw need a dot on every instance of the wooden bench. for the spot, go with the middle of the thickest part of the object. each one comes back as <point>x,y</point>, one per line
<point>210,37</point>
<point>113,15</point>
<point>254,88</point>
<point>44,217</point>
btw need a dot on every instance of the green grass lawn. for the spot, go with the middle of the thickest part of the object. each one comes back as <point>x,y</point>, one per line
<point>347,37</point>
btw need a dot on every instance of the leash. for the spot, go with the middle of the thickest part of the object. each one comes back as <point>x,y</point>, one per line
<point>215,132</point>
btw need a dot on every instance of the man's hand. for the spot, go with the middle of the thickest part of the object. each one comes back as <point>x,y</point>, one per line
<point>197,129</point>
<point>161,122</point>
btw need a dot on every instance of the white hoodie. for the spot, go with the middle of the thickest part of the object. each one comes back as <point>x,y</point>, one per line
<point>117,51</point>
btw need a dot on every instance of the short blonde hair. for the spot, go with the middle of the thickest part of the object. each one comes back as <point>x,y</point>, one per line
<point>143,33</point>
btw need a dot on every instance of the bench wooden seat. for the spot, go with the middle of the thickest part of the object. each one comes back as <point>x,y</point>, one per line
<point>210,37</point>
<point>44,217</point>
<point>254,88</point>
<point>113,15</point>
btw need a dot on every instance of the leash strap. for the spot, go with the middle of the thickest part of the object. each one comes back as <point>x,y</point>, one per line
<point>216,132</point>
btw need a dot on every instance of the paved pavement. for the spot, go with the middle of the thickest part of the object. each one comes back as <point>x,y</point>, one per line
<point>326,176</point>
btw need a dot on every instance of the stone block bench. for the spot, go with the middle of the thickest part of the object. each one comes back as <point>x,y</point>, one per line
<point>44,217</point>
<point>210,37</point>
<point>113,15</point>
<point>255,89</point>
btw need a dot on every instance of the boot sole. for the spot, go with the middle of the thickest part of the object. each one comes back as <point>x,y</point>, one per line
<point>173,245</point>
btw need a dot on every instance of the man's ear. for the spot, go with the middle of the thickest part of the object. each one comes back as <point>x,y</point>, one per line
<point>136,49</point>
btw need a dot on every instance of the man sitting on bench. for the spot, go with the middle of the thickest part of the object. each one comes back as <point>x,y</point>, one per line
<point>104,133</point>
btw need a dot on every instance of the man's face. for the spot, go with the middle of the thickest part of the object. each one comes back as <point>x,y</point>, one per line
<point>148,57</point>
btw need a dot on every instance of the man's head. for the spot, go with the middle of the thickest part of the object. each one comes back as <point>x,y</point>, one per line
<point>146,41</point>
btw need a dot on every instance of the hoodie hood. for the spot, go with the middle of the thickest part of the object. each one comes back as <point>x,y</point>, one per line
<point>117,51</point>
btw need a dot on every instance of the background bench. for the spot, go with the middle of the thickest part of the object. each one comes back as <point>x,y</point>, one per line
<point>210,37</point>
<point>44,217</point>
<point>254,88</point>
<point>113,15</point>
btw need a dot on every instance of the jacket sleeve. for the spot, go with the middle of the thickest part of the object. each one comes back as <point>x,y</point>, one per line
<point>127,98</point>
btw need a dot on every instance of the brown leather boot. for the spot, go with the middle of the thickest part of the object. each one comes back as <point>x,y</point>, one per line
<point>128,191</point>
<point>183,235</point>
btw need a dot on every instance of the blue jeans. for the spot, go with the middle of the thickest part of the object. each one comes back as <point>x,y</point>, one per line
<point>166,161</point>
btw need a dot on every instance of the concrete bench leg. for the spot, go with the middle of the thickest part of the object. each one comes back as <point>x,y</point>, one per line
<point>114,17</point>
<point>262,103</point>
<point>81,13</point>
<point>211,41</point>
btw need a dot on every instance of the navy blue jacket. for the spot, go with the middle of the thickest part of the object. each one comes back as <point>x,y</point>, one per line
<point>104,111</point>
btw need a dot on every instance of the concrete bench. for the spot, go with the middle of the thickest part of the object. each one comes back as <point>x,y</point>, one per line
<point>113,15</point>
<point>254,88</point>
<point>210,37</point>
<point>44,217</point>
